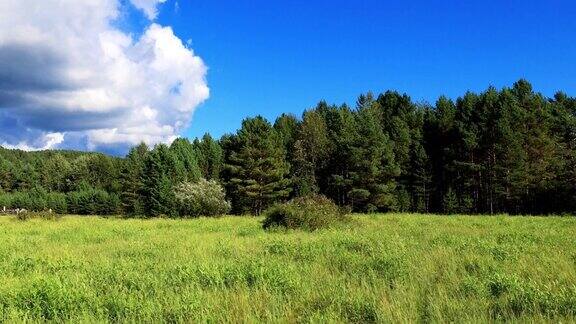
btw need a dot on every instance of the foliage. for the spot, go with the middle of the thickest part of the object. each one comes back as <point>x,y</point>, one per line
<point>204,198</point>
<point>132,181</point>
<point>210,157</point>
<point>309,213</point>
<point>257,167</point>
<point>37,199</point>
<point>161,170</point>
<point>57,202</point>
<point>91,201</point>
<point>309,153</point>
<point>509,150</point>
<point>185,157</point>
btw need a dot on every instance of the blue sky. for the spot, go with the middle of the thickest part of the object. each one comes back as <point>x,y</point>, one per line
<point>268,57</point>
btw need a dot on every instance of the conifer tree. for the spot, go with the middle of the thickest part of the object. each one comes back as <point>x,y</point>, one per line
<point>162,170</point>
<point>210,157</point>
<point>6,179</point>
<point>258,167</point>
<point>343,136</point>
<point>419,177</point>
<point>186,161</point>
<point>310,152</point>
<point>132,181</point>
<point>287,127</point>
<point>54,172</point>
<point>373,169</point>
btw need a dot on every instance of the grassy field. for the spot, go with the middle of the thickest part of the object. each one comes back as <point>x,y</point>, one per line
<point>400,268</point>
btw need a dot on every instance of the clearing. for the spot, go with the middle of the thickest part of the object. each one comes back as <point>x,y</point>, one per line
<point>400,268</point>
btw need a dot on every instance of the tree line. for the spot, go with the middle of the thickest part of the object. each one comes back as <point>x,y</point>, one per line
<point>499,151</point>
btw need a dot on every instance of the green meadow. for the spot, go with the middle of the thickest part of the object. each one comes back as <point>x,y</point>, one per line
<point>381,268</point>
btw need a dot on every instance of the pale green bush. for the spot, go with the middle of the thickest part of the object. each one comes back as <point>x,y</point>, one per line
<point>203,198</point>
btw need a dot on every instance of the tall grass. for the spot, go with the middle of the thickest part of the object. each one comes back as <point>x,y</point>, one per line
<point>400,268</point>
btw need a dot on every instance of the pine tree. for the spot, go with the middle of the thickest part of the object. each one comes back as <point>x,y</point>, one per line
<point>186,164</point>
<point>230,144</point>
<point>287,127</point>
<point>26,176</point>
<point>466,167</point>
<point>543,152</point>
<point>162,170</point>
<point>309,153</point>
<point>373,169</point>
<point>419,178</point>
<point>132,181</point>
<point>439,133</point>
<point>6,178</point>
<point>336,177</point>
<point>394,113</point>
<point>258,167</point>
<point>564,128</point>
<point>210,157</point>
<point>54,173</point>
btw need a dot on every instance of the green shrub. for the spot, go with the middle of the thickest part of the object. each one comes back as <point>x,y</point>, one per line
<point>37,199</point>
<point>308,213</point>
<point>93,202</point>
<point>5,200</point>
<point>203,198</point>
<point>20,200</point>
<point>57,202</point>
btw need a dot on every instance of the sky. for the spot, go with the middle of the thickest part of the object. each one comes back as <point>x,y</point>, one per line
<point>106,74</point>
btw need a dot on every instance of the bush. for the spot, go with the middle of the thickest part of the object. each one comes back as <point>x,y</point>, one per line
<point>5,201</point>
<point>57,202</point>
<point>204,198</point>
<point>93,202</point>
<point>36,199</point>
<point>308,213</point>
<point>20,200</point>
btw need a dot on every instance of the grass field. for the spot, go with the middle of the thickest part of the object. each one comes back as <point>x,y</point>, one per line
<point>400,268</point>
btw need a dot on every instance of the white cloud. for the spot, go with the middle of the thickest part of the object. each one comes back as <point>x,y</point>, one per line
<point>149,7</point>
<point>51,140</point>
<point>66,69</point>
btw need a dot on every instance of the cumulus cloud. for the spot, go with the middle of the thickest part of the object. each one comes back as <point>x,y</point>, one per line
<point>148,7</point>
<point>70,78</point>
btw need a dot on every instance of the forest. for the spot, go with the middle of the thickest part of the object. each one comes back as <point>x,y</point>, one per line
<point>499,151</point>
